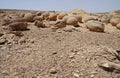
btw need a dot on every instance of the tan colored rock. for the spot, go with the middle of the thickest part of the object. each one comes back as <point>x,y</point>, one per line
<point>118,26</point>
<point>39,24</point>
<point>95,26</point>
<point>78,11</point>
<point>18,26</point>
<point>72,21</point>
<point>45,15</point>
<point>65,18</point>
<point>78,17</point>
<point>53,17</point>
<point>29,17</point>
<point>6,20</point>
<point>60,24</point>
<point>39,18</point>
<point>69,28</point>
<point>61,15</point>
<point>115,20</point>
<point>88,18</point>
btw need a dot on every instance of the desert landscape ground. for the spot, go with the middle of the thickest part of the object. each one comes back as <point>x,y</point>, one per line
<point>54,44</point>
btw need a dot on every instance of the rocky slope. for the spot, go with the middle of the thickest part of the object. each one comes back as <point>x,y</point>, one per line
<point>53,44</point>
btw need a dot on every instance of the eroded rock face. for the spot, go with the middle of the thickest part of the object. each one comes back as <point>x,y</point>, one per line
<point>95,26</point>
<point>115,20</point>
<point>18,26</point>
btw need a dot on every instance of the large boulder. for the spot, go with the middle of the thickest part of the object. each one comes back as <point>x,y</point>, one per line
<point>61,15</point>
<point>95,26</point>
<point>72,21</point>
<point>115,20</point>
<point>18,26</point>
<point>53,17</point>
<point>29,17</point>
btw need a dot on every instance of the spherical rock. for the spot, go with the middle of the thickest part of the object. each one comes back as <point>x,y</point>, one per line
<point>72,21</point>
<point>61,15</point>
<point>18,26</point>
<point>53,17</point>
<point>118,26</point>
<point>78,17</point>
<point>115,20</point>
<point>29,17</point>
<point>95,26</point>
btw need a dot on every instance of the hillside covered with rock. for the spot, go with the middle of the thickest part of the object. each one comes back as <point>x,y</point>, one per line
<point>59,44</point>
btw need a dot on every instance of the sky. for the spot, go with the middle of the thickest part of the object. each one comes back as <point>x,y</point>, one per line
<point>62,5</point>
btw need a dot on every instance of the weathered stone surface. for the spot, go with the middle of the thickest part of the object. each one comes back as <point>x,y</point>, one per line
<point>18,26</point>
<point>95,26</point>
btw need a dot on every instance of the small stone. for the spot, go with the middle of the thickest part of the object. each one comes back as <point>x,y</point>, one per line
<point>53,70</point>
<point>69,28</point>
<point>22,40</point>
<point>76,75</point>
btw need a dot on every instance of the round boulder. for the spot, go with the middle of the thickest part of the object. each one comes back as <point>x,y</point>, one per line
<point>115,20</point>
<point>18,26</point>
<point>72,21</point>
<point>118,26</point>
<point>29,17</point>
<point>95,26</point>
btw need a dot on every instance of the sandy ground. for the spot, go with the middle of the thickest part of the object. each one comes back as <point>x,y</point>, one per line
<point>42,53</point>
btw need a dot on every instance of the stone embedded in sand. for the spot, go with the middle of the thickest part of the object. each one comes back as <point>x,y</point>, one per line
<point>60,24</point>
<point>61,15</point>
<point>18,26</point>
<point>39,24</point>
<point>72,21</point>
<point>6,20</point>
<point>118,26</point>
<point>53,70</point>
<point>53,17</point>
<point>95,26</point>
<point>115,20</point>
<point>69,28</point>
<point>88,18</point>
<point>105,19</point>
<point>29,17</point>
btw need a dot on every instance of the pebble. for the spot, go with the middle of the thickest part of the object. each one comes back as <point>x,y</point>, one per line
<point>53,70</point>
